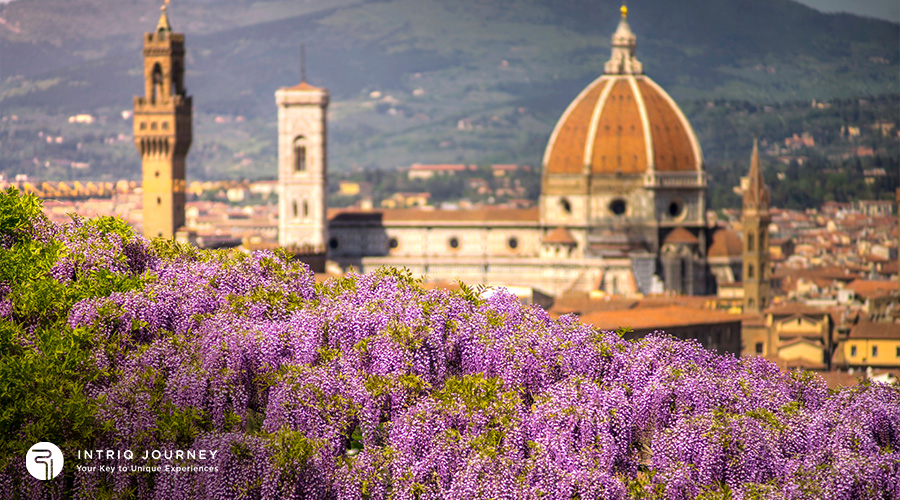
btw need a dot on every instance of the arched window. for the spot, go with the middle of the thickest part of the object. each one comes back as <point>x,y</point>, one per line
<point>749,271</point>
<point>749,242</point>
<point>157,80</point>
<point>305,209</point>
<point>300,154</point>
<point>294,207</point>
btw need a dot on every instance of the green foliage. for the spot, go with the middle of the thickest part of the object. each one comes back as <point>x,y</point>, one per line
<point>475,392</point>
<point>410,338</point>
<point>44,364</point>
<point>180,426</point>
<point>641,486</point>
<point>720,491</point>
<point>337,286</point>
<point>405,278</point>
<point>327,355</point>
<point>168,249</point>
<point>293,450</point>
<point>622,331</point>
<point>19,212</point>
<point>471,294</point>
<point>109,225</point>
<point>42,390</point>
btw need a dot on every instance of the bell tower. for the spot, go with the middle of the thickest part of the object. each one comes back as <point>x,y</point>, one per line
<point>302,165</point>
<point>163,130</point>
<point>755,219</point>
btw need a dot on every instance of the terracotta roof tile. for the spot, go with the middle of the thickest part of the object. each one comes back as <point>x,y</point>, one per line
<point>566,154</point>
<point>869,330</point>
<point>619,143</point>
<point>872,288</point>
<point>796,309</point>
<point>681,235</point>
<point>482,215</point>
<point>672,148</point>
<point>562,236</point>
<point>650,318</point>
<point>304,86</point>
<point>725,243</point>
<point>610,132</point>
<point>835,380</point>
<point>803,364</point>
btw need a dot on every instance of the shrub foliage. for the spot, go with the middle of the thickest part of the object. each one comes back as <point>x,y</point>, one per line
<point>370,387</point>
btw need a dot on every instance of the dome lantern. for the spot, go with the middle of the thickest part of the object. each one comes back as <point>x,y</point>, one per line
<point>624,44</point>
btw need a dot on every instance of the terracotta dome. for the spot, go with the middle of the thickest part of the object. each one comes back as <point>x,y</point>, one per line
<point>623,122</point>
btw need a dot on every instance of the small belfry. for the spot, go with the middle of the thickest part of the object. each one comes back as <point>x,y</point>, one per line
<point>302,164</point>
<point>163,130</point>
<point>755,219</point>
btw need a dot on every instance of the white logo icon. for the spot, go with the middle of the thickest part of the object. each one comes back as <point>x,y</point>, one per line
<point>44,461</point>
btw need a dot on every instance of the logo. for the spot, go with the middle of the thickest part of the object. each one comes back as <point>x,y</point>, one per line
<point>44,461</point>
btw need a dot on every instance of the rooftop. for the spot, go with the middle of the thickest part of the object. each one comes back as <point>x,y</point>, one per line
<point>524,215</point>
<point>656,318</point>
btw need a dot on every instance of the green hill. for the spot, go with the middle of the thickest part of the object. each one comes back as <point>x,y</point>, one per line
<point>469,80</point>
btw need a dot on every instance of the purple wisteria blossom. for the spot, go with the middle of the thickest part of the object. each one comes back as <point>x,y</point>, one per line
<point>369,386</point>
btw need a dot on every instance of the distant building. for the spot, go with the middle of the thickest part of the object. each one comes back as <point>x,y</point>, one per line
<point>419,171</point>
<point>163,130</point>
<point>803,336</point>
<point>755,220</point>
<point>875,208</point>
<point>406,200</point>
<point>714,329</point>
<point>873,345</point>
<point>501,170</point>
<point>302,165</point>
<point>82,118</point>
<point>622,206</point>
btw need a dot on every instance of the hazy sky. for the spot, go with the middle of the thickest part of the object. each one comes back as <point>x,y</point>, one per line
<point>884,9</point>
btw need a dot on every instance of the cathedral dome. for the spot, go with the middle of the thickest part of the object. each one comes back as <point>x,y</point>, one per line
<point>622,123</point>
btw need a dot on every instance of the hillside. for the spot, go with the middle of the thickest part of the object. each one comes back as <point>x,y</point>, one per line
<point>471,81</point>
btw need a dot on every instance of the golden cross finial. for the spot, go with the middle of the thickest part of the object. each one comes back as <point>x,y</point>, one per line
<point>623,10</point>
<point>164,6</point>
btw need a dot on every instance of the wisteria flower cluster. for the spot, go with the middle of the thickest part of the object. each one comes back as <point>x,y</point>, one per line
<point>371,387</point>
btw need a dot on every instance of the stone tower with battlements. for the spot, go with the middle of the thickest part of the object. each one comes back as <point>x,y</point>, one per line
<point>302,166</point>
<point>755,219</point>
<point>163,130</point>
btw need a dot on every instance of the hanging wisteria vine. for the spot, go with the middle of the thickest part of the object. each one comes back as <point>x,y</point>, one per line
<point>371,387</point>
